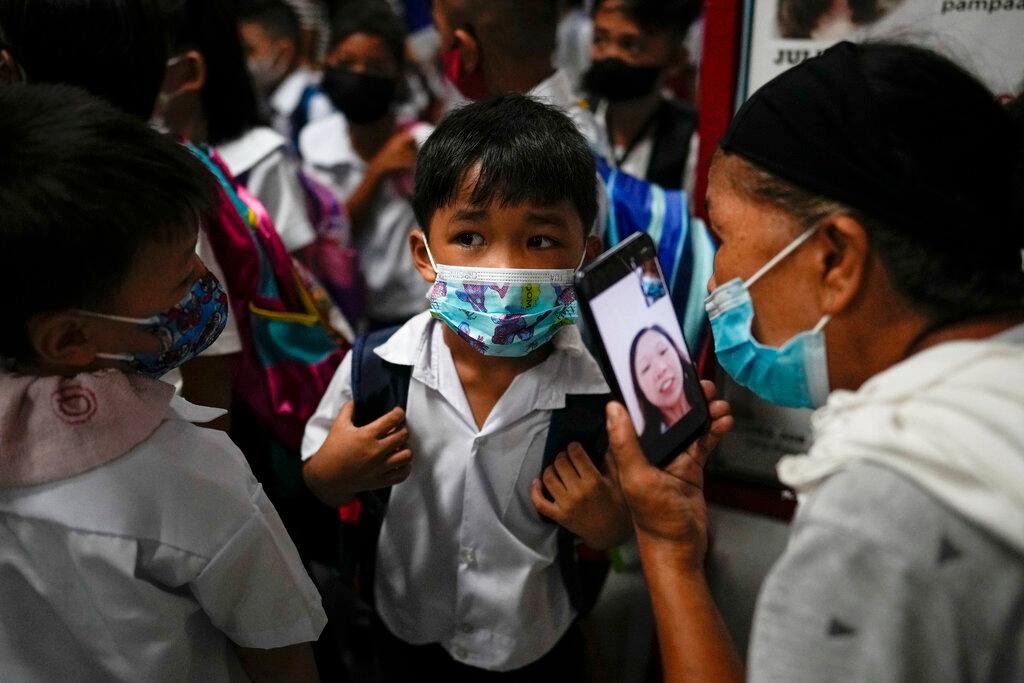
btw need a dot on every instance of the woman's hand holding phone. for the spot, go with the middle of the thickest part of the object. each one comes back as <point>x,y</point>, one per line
<point>667,505</point>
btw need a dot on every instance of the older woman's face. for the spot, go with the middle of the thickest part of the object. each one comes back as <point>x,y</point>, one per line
<point>750,234</point>
<point>659,371</point>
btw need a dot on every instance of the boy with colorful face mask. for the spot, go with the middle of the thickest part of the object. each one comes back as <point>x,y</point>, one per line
<point>467,569</point>
<point>133,544</point>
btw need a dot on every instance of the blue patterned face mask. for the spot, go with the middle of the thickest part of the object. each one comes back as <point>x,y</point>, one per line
<point>503,311</point>
<point>185,330</point>
<point>794,374</point>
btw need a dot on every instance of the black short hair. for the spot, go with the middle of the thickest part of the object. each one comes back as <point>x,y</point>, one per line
<point>274,16</point>
<point>372,17</point>
<point>656,16</point>
<point>229,97</point>
<point>526,151</point>
<point>948,132</point>
<point>112,48</point>
<point>82,187</point>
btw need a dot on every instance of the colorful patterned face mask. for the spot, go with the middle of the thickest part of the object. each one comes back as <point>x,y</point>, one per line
<point>185,330</point>
<point>503,311</point>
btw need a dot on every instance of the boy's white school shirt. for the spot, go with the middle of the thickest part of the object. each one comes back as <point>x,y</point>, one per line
<point>145,567</point>
<point>464,558</point>
<point>287,97</point>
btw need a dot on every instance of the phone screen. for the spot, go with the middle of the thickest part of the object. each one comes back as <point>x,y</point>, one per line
<point>645,350</point>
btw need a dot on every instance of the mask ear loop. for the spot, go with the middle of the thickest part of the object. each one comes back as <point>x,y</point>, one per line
<point>433,264</point>
<point>789,249</point>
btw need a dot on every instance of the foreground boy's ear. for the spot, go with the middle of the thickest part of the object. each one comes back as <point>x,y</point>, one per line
<point>60,339</point>
<point>9,71</point>
<point>418,247</point>
<point>185,73</point>
<point>595,245</point>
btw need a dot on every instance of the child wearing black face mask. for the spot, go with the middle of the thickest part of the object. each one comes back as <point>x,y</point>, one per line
<point>367,153</point>
<point>637,47</point>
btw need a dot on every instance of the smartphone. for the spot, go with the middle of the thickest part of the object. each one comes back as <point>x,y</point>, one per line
<point>639,344</point>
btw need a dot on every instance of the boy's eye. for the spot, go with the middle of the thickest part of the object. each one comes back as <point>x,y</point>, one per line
<point>470,239</point>
<point>540,242</point>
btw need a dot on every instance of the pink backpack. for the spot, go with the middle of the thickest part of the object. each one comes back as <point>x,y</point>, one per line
<point>289,350</point>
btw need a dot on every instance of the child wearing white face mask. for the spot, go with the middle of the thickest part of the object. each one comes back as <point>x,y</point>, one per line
<point>272,37</point>
<point>133,544</point>
<point>474,412</point>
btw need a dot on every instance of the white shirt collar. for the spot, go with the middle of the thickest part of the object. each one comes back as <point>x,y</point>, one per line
<point>556,89</point>
<point>325,143</point>
<point>288,95</point>
<point>572,369</point>
<point>180,409</point>
<point>242,153</point>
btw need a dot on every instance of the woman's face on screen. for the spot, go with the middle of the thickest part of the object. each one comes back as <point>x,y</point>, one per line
<point>659,371</point>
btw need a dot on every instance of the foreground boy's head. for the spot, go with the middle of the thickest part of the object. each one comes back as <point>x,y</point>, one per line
<point>98,212</point>
<point>505,183</point>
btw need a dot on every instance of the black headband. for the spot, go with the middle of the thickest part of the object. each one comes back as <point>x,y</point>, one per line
<point>819,126</point>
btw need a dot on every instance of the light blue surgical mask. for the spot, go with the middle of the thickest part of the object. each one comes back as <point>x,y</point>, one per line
<point>503,311</point>
<point>793,375</point>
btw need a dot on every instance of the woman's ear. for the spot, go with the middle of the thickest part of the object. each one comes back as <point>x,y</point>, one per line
<point>844,256</point>
<point>61,339</point>
<point>469,50</point>
<point>418,247</point>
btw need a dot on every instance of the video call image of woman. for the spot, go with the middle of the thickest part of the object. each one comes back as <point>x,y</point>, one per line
<point>663,379</point>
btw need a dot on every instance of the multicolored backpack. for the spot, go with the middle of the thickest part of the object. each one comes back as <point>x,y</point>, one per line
<point>685,248</point>
<point>289,349</point>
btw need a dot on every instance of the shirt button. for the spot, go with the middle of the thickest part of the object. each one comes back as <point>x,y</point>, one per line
<point>461,653</point>
<point>466,628</point>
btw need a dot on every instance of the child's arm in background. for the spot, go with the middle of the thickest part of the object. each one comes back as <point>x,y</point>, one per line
<point>354,459</point>
<point>586,502</point>
<point>282,664</point>
<point>397,155</point>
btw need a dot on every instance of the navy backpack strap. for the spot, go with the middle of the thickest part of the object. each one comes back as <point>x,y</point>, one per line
<point>582,419</point>
<point>377,387</point>
<point>300,117</point>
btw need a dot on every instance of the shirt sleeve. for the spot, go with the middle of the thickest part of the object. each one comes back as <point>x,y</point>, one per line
<point>338,393</point>
<point>838,606</point>
<point>275,182</point>
<point>255,588</point>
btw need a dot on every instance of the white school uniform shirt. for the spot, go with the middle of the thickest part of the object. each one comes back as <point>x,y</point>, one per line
<point>396,290</point>
<point>261,159</point>
<point>288,95</point>
<point>145,567</point>
<point>640,157</point>
<point>464,559</point>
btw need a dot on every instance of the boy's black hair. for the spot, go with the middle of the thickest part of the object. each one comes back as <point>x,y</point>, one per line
<point>229,98</point>
<point>656,16</point>
<point>374,18</point>
<point>274,16</point>
<point>527,151</point>
<point>82,187</point>
<point>112,48</point>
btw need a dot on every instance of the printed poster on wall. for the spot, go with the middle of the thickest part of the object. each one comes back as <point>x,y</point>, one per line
<point>984,36</point>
